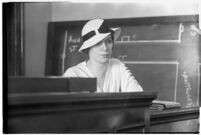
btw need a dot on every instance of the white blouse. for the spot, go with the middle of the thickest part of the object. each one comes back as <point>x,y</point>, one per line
<point>117,79</point>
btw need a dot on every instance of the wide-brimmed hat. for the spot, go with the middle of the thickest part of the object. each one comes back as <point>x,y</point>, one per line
<point>96,30</point>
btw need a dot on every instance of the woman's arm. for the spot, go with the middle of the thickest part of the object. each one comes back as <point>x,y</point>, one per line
<point>128,81</point>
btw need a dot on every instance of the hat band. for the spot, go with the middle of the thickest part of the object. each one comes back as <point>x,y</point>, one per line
<point>103,29</point>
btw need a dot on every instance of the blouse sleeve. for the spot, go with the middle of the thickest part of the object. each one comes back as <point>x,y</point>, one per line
<point>69,73</point>
<point>128,81</point>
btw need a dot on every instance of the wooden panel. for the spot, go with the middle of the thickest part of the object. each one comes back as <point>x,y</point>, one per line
<point>175,120</point>
<point>13,26</point>
<point>28,85</point>
<point>78,113</point>
<point>185,126</point>
<point>90,121</point>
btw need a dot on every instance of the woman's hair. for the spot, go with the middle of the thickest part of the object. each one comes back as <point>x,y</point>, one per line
<point>112,37</point>
<point>86,51</point>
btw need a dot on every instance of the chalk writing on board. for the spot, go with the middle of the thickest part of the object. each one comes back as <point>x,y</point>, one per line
<point>181,29</point>
<point>73,43</point>
<point>132,38</point>
<point>73,48</point>
<point>188,89</point>
<point>74,40</point>
<point>125,38</point>
<point>194,30</point>
<point>63,55</point>
<point>154,25</point>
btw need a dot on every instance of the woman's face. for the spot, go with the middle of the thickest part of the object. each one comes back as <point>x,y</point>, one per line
<point>102,51</point>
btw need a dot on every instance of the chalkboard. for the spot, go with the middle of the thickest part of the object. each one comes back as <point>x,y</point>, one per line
<point>153,77</point>
<point>157,50</point>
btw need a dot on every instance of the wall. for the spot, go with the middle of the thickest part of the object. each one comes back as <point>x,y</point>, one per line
<point>84,11</point>
<point>37,16</point>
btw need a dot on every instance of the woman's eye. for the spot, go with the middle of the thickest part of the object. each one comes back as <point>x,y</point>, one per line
<point>109,41</point>
<point>99,43</point>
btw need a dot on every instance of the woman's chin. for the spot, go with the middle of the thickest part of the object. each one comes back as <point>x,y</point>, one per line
<point>104,60</point>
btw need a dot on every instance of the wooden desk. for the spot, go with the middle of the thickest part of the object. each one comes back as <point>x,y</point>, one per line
<point>79,113</point>
<point>183,120</point>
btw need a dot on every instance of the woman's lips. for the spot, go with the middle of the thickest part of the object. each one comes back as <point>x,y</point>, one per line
<point>105,55</point>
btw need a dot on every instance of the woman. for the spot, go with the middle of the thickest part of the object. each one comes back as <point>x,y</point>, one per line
<point>112,75</point>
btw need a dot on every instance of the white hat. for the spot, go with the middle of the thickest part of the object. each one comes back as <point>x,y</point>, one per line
<point>96,30</point>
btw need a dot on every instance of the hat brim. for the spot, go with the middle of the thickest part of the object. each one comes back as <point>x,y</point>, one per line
<point>117,32</point>
<point>97,38</point>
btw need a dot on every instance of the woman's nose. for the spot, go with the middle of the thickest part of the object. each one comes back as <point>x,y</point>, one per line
<point>104,46</point>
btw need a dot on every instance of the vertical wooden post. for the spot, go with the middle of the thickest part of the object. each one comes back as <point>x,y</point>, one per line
<point>147,119</point>
<point>13,29</point>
